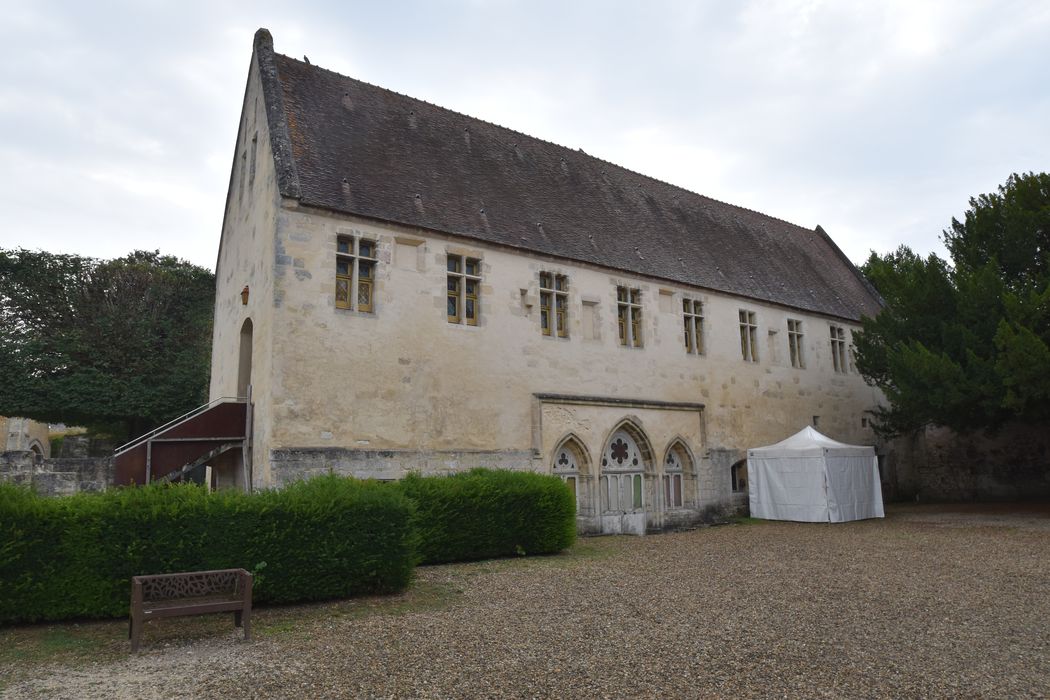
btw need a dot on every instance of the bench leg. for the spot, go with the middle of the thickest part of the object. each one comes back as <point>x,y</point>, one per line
<point>237,619</point>
<point>135,633</point>
<point>247,620</point>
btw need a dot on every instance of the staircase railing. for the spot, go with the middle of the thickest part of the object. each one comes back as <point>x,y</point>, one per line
<point>189,414</point>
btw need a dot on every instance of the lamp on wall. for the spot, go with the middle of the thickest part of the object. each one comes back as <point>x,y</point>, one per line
<point>244,295</point>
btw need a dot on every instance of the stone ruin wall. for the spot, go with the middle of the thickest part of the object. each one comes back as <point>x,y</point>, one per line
<point>938,464</point>
<point>24,434</point>
<point>72,471</point>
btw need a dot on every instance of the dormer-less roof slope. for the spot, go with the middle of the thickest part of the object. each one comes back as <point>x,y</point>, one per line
<point>348,146</point>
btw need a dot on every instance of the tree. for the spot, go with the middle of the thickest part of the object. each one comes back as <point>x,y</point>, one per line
<point>967,344</point>
<point>121,343</point>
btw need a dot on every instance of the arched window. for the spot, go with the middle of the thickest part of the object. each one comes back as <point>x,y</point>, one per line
<point>244,366</point>
<point>566,465</point>
<point>673,479</point>
<point>570,463</point>
<point>679,484</point>
<point>738,476</point>
<point>623,464</point>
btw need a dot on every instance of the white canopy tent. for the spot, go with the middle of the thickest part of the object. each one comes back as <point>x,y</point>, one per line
<point>811,478</point>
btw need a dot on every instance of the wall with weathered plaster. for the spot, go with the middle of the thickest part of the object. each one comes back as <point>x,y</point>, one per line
<point>390,390</point>
<point>401,389</point>
<point>246,258</point>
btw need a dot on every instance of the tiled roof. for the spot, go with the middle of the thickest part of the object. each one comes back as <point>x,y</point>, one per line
<point>348,146</point>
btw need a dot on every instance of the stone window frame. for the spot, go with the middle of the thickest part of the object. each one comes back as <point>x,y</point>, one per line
<point>738,476</point>
<point>693,320</point>
<point>673,480</point>
<point>629,316</point>
<point>463,273</point>
<point>565,464</point>
<point>748,335</point>
<point>839,360</point>
<point>554,304</point>
<point>851,354</point>
<point>621,489</point>
<point>796,344</point>
<point>356,263</point>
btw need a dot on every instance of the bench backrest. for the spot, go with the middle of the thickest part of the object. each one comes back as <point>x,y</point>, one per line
<point>190,584</point>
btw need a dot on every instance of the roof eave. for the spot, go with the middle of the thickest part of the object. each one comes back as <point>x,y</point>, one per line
<point>819,230</point>
<point>299,203</point>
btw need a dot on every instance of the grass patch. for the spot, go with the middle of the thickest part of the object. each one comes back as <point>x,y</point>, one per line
<point>25,649</point>
<point>46,643</point>
<point>747,520</point>
<point>583,551</point>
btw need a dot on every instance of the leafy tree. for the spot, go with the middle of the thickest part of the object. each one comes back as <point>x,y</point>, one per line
<point>121,343</point>
<point>967,344</point>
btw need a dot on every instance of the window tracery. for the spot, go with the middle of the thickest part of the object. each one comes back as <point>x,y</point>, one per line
<point>673,479</point>
<point>622,468</point>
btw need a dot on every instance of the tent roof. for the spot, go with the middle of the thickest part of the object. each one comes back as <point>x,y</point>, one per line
<point>808,441</point>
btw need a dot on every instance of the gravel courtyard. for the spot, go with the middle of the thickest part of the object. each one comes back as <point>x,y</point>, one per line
<point>932,601</point>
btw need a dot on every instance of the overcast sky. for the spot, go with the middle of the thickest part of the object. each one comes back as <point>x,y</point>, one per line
<point>877,120</point>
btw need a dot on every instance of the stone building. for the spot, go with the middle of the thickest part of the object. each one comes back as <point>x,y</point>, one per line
<point>405,288</point>
<point>25,435</point>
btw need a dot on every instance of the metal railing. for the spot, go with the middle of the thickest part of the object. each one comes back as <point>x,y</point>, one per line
<point>189,414</point>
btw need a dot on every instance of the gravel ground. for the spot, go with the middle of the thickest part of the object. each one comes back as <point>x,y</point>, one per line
<point>930,602</point>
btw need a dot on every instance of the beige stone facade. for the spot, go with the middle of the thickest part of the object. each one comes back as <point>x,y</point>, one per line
<point>22,434</point>
<point>401,388</point>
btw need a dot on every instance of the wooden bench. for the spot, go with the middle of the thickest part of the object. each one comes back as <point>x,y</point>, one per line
<point>190,593</point>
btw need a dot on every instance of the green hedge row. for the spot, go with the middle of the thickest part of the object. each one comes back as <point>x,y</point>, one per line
<point>329,537</point>
<point>489,513</point>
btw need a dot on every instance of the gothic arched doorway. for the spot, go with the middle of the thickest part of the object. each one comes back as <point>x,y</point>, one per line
<point>625,486</point>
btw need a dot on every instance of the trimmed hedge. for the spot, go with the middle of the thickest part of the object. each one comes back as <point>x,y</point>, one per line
<point>487,513</point>
<point>329,537</point>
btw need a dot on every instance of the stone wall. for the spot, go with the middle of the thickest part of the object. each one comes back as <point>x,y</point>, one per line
<point>288,465</point>
<point>247,255</point>
<point>24,434</point>
<point>56,477</point>
<point>941,465</point>
<point>403,378</point>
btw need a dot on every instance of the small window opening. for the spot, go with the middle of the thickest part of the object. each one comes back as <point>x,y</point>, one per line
<point>463,290</point>
<point>355,272</point>
<point>554,304</point>
<point>629,316</point>
<point>693,316</point>
<point>748,336</point>
<point>838,349</point>
<point>798,360</point>
<point>738,476</point>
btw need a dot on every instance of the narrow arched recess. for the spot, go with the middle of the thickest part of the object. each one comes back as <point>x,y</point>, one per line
<point>571,463</point>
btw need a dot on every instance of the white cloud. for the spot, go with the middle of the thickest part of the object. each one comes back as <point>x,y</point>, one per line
<point>876,120</point>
